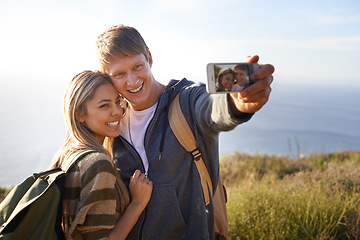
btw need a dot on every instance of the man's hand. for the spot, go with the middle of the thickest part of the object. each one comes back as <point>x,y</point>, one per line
<point>254,97</point>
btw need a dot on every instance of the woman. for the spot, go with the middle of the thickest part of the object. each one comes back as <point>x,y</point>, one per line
<point>225,80</point>
<point>96,201</point>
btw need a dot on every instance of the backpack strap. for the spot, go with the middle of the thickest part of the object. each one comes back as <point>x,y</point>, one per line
<point>183,133</point>
<point>75,157</point>
<point>71,162</point>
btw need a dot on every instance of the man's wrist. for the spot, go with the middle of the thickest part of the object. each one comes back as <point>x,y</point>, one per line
<point>236,112</point>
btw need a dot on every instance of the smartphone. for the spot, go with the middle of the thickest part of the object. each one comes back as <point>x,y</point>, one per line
<point>229,77</point>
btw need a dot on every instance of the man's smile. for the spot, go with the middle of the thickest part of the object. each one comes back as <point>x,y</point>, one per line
<point>137,89</point>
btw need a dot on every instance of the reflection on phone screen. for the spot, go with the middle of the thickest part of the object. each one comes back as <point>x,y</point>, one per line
<point>232,77</point>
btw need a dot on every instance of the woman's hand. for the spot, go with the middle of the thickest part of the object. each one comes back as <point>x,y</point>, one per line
<point>140,189</point>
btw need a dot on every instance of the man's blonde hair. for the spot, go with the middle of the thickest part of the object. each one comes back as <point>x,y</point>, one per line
<point>119,41</point>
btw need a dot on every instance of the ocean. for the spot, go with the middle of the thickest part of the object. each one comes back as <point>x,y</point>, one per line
<point>298,120</point>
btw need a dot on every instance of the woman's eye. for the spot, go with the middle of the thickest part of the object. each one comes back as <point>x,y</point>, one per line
<point>104,105</point>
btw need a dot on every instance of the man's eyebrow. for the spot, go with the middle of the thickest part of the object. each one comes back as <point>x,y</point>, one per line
<point>113,74</point>
<point>116,72</point>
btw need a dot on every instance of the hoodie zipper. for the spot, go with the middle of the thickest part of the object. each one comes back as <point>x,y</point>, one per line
<point>131,148</point>
<point>155,118</point>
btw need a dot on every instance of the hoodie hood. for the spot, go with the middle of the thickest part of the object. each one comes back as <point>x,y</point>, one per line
<point>171,90</point>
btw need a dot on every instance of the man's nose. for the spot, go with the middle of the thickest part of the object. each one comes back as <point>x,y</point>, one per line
<point>132,79</point>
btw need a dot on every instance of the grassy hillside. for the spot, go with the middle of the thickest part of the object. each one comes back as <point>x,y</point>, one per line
<point>273,197</point>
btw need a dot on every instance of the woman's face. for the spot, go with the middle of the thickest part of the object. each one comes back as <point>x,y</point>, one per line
<point>227,81</point>
<point>103,113</point>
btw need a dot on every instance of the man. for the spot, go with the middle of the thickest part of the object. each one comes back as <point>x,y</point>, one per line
<point>241,77</point>
<point>176,209</point>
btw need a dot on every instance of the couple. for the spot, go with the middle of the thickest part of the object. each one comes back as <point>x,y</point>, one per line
<point>135,141</point>
<point>233,79</point>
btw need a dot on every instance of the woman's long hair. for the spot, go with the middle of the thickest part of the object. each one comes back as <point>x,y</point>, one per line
<point>219,86</point>
<point>78,137</point>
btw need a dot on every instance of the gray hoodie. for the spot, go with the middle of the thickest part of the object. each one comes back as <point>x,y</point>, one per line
<point>176,209</point>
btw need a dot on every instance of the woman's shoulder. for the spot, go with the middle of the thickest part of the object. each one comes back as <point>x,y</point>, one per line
<point>94,161</point>
<point>95,158</point>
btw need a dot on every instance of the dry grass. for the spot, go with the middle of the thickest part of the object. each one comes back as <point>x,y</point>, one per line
<point>272,197</point>
<point>278,198</point>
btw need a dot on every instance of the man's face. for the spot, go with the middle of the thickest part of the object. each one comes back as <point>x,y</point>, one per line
<point>241,77</point>
<point>133,79</point>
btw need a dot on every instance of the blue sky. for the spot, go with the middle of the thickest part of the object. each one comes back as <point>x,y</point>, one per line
<point>44,43</point>
<point>307,41</point>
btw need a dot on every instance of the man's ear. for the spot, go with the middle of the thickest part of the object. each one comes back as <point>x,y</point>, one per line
<point>150,59</point>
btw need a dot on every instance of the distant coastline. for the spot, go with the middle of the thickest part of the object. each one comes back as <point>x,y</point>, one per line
<point>297,120</point>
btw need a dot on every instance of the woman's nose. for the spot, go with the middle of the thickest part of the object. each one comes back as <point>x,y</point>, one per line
<point>117,111</point>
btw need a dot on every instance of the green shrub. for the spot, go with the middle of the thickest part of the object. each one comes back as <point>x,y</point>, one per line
<point>317,200</point>
<point>289,211</point>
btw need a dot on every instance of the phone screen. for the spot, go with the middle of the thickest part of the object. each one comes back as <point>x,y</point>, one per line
<point>229,77</point>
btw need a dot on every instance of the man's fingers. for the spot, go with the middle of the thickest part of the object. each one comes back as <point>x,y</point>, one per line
<point>257,86</point>
<point>264,71</point>
<point>252,59</point>
<point>260,97</point>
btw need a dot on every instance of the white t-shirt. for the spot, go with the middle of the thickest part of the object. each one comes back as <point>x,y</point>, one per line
<point>133,127</point>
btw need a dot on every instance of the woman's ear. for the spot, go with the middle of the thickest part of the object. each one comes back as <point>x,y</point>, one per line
<point>80,117</point>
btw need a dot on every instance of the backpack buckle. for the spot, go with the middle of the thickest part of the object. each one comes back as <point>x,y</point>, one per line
<point>196,154</point>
